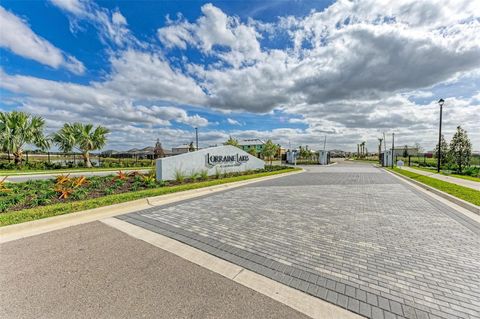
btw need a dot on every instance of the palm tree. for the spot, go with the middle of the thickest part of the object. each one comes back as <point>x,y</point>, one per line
<point>269,150</point>
<point>363,148</point>
<point>81,137</point>
<point>231,141</point>
<point>19,128</point>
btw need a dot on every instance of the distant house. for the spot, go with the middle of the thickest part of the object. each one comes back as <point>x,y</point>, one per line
<point>255,143</point>
<point>411,150</point>
<point>337,153</point>
<point>184,148</point>
<point>149,152</point>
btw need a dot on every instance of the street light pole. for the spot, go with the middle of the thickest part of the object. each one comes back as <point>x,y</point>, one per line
<point>439,155</point>
<point>196,137</point>
<point>393,147</point>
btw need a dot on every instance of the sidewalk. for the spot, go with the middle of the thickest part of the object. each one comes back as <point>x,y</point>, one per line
<point>449,179</point>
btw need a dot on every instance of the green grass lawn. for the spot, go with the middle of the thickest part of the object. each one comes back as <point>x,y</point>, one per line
<point>15,217</point>
<point>16,172</point>
<point>434,170</point>
<point>465,193</point>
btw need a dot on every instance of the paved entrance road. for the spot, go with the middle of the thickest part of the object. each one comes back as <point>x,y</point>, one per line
<point>350,234</point>
<point>95,271</point>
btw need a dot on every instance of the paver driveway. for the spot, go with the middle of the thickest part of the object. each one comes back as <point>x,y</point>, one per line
<point>350,234</point>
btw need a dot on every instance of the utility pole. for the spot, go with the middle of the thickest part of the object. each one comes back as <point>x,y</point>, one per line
<point>324,143</point>
<point>393,146</point>
<point>380,149</point>
<point>196,137</point>
<point>384,143</point>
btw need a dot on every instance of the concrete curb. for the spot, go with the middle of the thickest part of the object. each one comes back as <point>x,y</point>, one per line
<point>60,172</point>
<point>331,164</point>
<point>40,226</point>
<point>300,301</point>
<point>460,202</point>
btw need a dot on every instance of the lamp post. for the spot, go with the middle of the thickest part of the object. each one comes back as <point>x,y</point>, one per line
<point>393,148</point>
<point>439,157</point>
<point>196,138</point>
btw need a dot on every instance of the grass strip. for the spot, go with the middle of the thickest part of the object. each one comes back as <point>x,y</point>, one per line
<point>71,170</point>
<point>434,171</point>
<point>465,193</point>
<point>40,212</point>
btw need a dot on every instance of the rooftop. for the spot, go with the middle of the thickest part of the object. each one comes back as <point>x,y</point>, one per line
<point>253,141</point>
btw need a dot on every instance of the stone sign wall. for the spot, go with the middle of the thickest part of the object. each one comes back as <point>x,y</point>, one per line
<point>221,159</point>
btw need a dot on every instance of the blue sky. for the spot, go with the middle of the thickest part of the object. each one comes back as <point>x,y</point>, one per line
<point>292,71</point>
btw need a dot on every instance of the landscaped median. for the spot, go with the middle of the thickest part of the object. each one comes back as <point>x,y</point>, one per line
<point>27,201</point>
<point>467,194</point>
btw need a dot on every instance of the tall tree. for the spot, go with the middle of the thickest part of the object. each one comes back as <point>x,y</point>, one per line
<point>405,151</point>
<point>303,152</point>
<point>81,137</point>
<point>461,148</point>
<point>231,141</point>
<point>18,129</point>
<point>362,149</point>
<point>380,140</point>
<point>444,151</point>
<point>269,150</point>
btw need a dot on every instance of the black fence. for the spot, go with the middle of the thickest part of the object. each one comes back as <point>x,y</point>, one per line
<point>54,160</point>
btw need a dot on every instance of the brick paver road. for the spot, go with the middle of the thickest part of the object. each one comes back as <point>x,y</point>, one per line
<point>350,234</point>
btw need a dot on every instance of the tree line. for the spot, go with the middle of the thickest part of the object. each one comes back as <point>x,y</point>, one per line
<point>18,129</point>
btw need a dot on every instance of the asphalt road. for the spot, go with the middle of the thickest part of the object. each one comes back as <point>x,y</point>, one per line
<point>24,178</point>
<point>94,271</point>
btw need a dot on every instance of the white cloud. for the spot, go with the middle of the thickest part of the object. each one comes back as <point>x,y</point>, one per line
<point>118,18</point>
<point>297,120</point>
<point>214,28</point>
<point>111,24</point>
<point>76,7</point>
<point>18,37</point>
<point>150,76</point>
<point>233,122</point>
<point>69,102</point>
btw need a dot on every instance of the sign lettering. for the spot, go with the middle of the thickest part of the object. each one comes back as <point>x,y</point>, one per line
<point>230,160</point>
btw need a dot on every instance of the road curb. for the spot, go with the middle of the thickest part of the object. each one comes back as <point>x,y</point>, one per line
<point>40,226</point>
<point>460,202</point>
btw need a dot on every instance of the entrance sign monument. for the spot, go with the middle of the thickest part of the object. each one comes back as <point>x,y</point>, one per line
<point>223,159</point>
